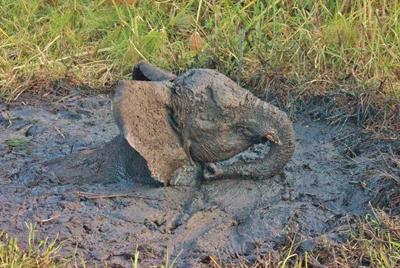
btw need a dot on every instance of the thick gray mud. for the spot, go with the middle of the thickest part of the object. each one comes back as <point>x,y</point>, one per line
<point>55,159</point>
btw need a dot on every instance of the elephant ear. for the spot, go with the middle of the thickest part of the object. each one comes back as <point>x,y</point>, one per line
<point>144,71</point>
<point>140,111</point>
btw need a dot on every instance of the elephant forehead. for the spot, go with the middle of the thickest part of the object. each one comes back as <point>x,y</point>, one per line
<point>225,97</point>
<point>209,85</point>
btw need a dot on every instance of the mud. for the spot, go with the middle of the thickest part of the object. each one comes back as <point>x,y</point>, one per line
<point>54,157</point>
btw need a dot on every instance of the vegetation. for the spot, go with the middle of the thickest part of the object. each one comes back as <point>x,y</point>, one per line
<point>45,253</point>
<point>36,254</point>
<point>311,46</point>
<point>373,242</point>
<point>297,48</point>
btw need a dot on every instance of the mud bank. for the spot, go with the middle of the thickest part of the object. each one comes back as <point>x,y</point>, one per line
<point>55,158</point>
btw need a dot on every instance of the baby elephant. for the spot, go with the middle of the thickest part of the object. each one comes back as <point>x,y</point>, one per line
<point>214,120</point>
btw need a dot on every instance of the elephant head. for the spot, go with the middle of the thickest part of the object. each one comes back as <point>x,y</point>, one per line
<point>217,119</point>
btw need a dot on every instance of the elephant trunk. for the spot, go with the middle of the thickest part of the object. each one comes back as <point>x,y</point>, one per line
<point>282,147</point>
<point>276,127</point>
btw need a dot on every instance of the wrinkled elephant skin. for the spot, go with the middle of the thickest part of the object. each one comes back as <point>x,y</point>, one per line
<point>195,123</point>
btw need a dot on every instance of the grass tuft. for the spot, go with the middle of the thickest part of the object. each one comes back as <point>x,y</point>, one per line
<point>374,241</point>
<point>43,253</point>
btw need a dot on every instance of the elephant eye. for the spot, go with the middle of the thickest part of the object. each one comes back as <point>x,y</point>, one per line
<point>245,131</point>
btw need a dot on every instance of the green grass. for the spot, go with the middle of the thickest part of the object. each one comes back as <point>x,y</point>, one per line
<point>17,143</point>
<point>43,253</point>
<point>317,45</point>
<point>47,254</point>
<point>373,241</point>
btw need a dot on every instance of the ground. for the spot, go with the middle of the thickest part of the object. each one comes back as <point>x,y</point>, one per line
<point>53,152</point>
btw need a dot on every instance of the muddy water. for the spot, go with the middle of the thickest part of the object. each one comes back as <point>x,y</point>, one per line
<point>55,160</point>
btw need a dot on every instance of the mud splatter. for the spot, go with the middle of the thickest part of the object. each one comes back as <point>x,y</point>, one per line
<point>58,181</point>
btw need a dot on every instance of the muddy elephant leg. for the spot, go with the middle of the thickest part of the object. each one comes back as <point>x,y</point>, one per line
<point>188,175</point>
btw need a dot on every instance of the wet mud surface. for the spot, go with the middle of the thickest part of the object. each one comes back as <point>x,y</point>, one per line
<point>55,158</point>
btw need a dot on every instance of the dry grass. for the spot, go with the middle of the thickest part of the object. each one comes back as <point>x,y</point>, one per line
<point>311,46</point>
<point>47,254</point>
<point>373,241</point>
<point>36,254</point>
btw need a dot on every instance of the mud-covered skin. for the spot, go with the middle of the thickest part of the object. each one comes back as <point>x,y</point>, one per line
<point>216,120</point>
<point>141,113</point>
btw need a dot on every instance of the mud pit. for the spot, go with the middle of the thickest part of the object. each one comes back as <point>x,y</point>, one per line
<point>58,179</point>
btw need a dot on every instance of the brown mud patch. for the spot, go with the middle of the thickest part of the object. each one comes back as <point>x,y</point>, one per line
<point>54,172</point>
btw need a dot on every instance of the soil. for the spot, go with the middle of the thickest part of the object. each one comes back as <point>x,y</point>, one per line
<point>53,158</point>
